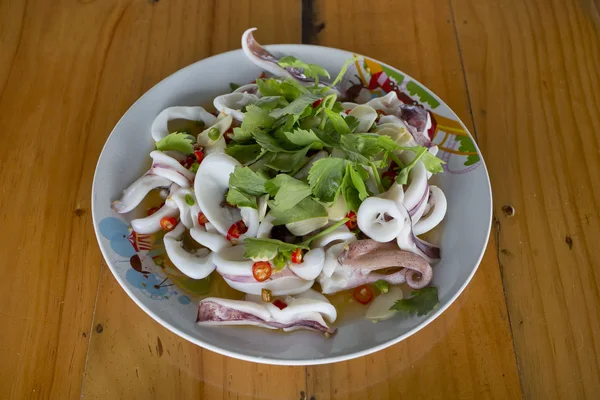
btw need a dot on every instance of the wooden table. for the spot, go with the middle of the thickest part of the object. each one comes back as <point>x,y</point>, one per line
<point>522,74</point>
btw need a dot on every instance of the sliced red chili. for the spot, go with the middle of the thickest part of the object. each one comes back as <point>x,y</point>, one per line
<point>279,304</point>
<point>297,256</point>
<point>241,227</point>
<point>168,223</point>
<point>351,223</point>
<point>261,270</point>
<point>187,163</point>
<point>199,155</point>
<point>202,220</point>
<point>317,103</point>
<point>153,210</point>
<point>348,111</point>
<point>237,229</point>
<point>363,294</point>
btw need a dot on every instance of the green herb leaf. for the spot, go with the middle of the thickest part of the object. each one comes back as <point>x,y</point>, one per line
<point>361,147</point>
<point>402,177</point>
<point>240,135</point>
<point>330,138</point>
<point>432,163</point>
<point>237,198</point>
<point>176,141</point>
<point>269,103</point>
<point>305,209</point>
<point>302,137</point>
<point>268,248</point>
<point>357,181</point>
<point>194,167</point>
<point>244,153</point>
<point>289,89</point>
<point>268,142</point>
<point>352,122</point>
<point>325,178</point>
<point>309,70</point>
<point>351,197</point>
<point>287,191</point>
<point>255,118</point>
<point>339,123</point>
<point>247,181</point>
<point>233,86</point>
<point>296,107</point>
<point>286,162</point>
<point>342,72</point>
<point>421,303</point>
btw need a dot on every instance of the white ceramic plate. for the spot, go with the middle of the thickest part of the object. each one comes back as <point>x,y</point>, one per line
<point>462,236</point>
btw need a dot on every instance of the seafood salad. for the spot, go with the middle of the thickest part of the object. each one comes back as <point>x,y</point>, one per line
<point>291,192</point>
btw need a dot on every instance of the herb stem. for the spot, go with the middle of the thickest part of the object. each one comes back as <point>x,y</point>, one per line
<point>377,177</point>
<point>395,158</point>
<point>326,231</point>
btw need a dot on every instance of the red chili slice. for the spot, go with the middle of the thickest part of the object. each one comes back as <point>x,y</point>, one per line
<point>279,304</point>
<point>237,229</point>
<point>168,223</point>
<point>317,103</point>
<point>199,156</point>
<point>351,223</point>
<point>363,294</point>
<point>153,210</point>
<point>261,270</point>
<point>297,256</point>
<point>202,220</point>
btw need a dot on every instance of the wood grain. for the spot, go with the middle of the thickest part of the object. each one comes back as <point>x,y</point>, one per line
<point>530,89</point>
<point>473,335</point>
<point>52,63</point>
<point>532,72</point>
<point>133,356</point>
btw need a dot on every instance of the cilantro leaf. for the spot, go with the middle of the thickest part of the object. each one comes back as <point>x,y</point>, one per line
<point>296,107</point>
<point>233,86</point>
<point>329,137</point>
<point>421,303</point>
<point>267,248</point>
<point>352,122</point>
<point>240,135</point>
<point>286,161</point>
<point>287,191</point>
<point>325,178</point>
<point>309,70</point>
<point>342,72</point>
<point>285,88</point>
<point>244,153</point>
<point>302,137</point>
<point>305,209</point>
<point>339,123</point>
<point>360,147</point>
<point>255,118</point>
<point>247,181</point>
<point>268,142</point>
<point>357,181</point>
<point>350,195</point>
<point>432,163</point>
<point>237,198</point>
<point>269,103</point>
<point>402,177</point>
<point>176,141</point>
